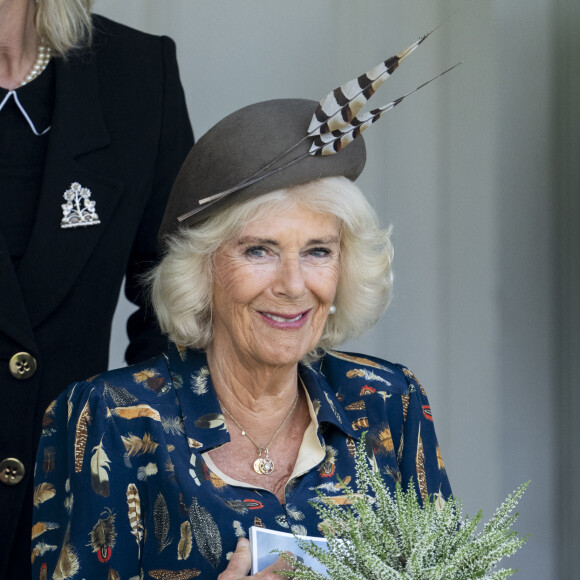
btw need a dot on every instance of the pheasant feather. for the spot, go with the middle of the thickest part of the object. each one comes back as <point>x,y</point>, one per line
<point>420,464</point>
<point>81,435</point>
<point>341,105</point>
<point>333,140</point>
<point>174,574</point>
<point>405,400</point>
<point>356,406</point>
<point>334,124</point>
<point>134,513</point>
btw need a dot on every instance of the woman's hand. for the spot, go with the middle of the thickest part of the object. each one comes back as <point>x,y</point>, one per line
<point>241,563</point>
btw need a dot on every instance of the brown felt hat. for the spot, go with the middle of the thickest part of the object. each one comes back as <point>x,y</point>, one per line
<point>238,148</point>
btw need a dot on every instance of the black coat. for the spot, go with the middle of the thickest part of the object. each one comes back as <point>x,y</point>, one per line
<point>120,128</point>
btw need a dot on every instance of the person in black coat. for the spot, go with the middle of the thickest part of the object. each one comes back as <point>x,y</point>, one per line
<point>91,138</point>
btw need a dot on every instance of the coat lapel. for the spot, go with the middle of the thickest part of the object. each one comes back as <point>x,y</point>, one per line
<point>55,256</point>
<point>14,318</point>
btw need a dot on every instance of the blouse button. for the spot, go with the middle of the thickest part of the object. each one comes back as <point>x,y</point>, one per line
<point>11,471</point>
<point>22,365</point>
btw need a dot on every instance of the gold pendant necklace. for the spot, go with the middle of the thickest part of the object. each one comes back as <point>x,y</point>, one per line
<point>262,465</point>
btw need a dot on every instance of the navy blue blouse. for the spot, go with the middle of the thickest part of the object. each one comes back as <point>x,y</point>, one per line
<point>124,485</point>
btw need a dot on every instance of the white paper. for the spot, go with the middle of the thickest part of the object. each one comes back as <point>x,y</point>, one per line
<point>263,542</point>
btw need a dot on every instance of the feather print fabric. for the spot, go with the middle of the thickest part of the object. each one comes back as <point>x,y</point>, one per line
<point>137,445</point>
<point>67,565</point>
<point>174,575</point>
<point>161,518</point>
<point>421,476</point>
<point>42,493</point>
<point>185,542</point>
<point>134,513</point>
<point>368,375</point>
<point>100,466</point>
<point>40,549</point>
<point>205,532</point>
<point>199,381</point>
<point>48,461</point>
<point>144,502</point>
<point>103,536</point>
<point>81,437</point>
<point>121,397</point>
<point>137,411</point>
<point>40,527</point>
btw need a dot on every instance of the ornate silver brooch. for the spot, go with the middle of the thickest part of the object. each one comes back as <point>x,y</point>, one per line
<point>79,209</point>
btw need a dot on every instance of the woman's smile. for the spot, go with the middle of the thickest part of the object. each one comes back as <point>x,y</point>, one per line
<point>287,320</point>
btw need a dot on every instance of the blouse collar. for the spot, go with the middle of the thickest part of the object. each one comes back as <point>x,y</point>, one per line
<point>204,423</point>
<point>35,100</point>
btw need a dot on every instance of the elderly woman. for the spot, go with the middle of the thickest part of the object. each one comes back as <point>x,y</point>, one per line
<point>159,469</point>
<point>85,174</point>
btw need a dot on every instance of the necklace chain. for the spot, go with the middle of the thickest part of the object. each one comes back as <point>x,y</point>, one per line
<point>262,465</point>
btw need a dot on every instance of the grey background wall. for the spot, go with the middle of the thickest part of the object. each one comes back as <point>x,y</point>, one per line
<point>478,173</point>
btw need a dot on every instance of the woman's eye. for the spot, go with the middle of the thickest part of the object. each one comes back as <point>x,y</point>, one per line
<point>256,252</point>
<point>320,252</point>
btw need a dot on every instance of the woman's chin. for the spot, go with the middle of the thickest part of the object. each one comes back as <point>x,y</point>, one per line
<point>281,355</point>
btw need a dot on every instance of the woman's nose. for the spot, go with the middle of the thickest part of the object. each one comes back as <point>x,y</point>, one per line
<point>290,280</point>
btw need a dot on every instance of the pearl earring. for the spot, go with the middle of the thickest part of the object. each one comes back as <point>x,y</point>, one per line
<point>332,309</point>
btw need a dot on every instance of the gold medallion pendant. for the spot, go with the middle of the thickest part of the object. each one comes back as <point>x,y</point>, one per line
<point>263,465</point>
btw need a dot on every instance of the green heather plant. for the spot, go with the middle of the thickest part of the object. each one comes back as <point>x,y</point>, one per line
<point>395,538</point>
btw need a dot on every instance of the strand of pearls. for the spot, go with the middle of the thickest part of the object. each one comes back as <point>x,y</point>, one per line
<point>42,60</point>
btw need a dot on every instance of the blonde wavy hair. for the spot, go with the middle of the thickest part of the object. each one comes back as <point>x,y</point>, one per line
<point>64,24</point>
<point>181,285</point>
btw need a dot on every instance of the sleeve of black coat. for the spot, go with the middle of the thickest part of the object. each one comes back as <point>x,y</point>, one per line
<point>176,139</point>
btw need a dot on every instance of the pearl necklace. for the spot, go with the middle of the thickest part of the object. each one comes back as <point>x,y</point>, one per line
<point>262,465</point>
<point>42,60</point>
